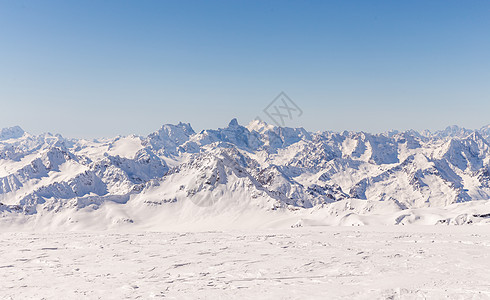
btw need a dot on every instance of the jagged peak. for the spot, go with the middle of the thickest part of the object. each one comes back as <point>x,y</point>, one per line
<point>259,126</point>
<point>186,127</point>
<point>453,128</point>
<point>13,132</point>
<point>452,131</point>
<point>485,130</point>
<point>478,138</point>
<point>177,133</point>
<point>476,135</point>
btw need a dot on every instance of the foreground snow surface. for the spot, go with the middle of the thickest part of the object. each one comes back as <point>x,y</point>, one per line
<point>402,262</point>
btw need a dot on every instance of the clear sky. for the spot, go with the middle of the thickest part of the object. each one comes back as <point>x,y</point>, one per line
<point>102,68</point>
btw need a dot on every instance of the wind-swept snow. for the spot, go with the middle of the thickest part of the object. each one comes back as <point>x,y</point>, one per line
<point>403,262</point>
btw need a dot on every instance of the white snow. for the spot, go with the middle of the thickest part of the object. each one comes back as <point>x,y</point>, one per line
<point>237,170</point>
<point>316,263</point>
<point>125,146</point>
<point>256,212</point>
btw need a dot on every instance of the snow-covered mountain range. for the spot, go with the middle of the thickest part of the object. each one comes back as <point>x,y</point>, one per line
<point>241,170</point>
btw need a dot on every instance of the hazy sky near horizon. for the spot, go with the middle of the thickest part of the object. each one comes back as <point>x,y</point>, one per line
<point>103,68</point>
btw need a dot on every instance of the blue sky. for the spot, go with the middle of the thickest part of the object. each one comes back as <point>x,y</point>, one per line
<point>102,68</point>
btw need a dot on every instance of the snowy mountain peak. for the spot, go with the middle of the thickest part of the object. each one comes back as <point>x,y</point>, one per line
<point>168,129</point>
<point>485,130</point>
<point>254,166</point>
<point>259,126</point>
<point>169,138</point>
<point>453,131</point>
<point>11,133</point>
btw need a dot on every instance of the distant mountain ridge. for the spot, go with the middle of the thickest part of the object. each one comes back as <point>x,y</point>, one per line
<point>258,165</point>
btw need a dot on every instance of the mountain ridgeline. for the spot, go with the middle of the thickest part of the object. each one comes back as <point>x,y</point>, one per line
<point>257,165</point>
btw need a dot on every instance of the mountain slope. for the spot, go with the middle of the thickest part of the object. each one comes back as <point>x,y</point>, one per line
<point>238,168</point>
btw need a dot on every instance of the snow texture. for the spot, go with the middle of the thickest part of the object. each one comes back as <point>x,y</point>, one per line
<point>394,262</point>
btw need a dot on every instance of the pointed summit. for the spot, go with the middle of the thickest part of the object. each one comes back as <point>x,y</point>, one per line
<point>233,123</point>
<point>479,139</point>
